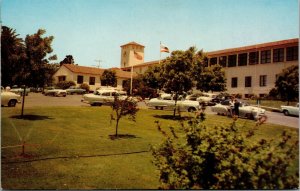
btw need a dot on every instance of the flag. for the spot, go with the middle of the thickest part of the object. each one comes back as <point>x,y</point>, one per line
<point>137,56</point>
<point>164,48</point>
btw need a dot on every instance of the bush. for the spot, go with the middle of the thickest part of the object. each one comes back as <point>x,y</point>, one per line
<point>65,84</point>
<point>224,158</point>
<point>85,86</point>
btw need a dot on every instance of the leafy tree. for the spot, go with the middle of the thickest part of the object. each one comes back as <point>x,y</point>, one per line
<point>178,70</point>
<point>12,56</point>
<point>85,86</point>
<point>287,84</point>
<point>109,78</point>
<point>224,158</point>
<point>212,79</point>
<point>121,108</point>
<point>67,60</point>
<point>151,77</point>
<point>37,71</point>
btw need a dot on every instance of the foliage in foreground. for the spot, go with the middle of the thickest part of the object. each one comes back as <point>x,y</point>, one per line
<point>224,158</point>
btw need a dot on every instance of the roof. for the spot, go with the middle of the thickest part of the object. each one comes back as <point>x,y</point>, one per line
<point>143,64</point>
<point>97,71</point>
<point>254,47</point>
<point>132,43</point>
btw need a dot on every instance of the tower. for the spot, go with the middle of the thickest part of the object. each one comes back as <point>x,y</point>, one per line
<point>132,54</point>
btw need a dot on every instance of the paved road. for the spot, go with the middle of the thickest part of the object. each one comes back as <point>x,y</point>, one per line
<point>38,99</point>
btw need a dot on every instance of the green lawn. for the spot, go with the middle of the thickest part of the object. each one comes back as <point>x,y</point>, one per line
<point>71,149</point>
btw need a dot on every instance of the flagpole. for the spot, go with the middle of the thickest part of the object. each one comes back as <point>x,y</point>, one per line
<point>159,52</point>
<point>131,80</point>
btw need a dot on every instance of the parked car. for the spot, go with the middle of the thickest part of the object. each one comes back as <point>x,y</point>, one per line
<point>167,101</point>
<point>20,91</point>
<point>9,99</point>
<point>219,98</point>
<point>245,110</point>
<point>290,110</point>
<point>206,98</point>
<point>75,90</point>
<point>194,96</point>
<point>55,92</point>
<point>103,97</point>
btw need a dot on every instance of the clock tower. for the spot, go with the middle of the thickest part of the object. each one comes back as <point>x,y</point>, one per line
<point>132,54</point>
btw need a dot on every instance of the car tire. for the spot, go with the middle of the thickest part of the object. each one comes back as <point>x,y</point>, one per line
<point>249,116</point>
<point>12,103</point>
<point>191,109</point>
<point>286,113</point>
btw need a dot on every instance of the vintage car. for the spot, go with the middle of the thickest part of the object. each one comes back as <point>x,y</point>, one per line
<point>245,110</point>
<point>206,98</point>
<point>290,110</point>
<point>55,92</point>
<point>167,101</point>
<point>75,90</point>
<point>9,99</point>
<point>103,97</point>
<point>20,91</point>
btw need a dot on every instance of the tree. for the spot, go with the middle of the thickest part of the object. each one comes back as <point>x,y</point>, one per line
<point>178,71</point>
<point>287,84</point>
<point>212,79</point>
<point>67,60</point>
<point>37,71</point>
<point>151,77</point>
<point>121,108</point>
<point>109,78</point>
<point>220,157</point>
<point>12,56</point>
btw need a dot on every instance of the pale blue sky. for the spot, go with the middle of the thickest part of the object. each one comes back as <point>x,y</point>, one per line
<point>95,29</point>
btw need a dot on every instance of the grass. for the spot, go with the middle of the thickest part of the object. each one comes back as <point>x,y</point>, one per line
<point>271,103</point>
<point>71,147</point>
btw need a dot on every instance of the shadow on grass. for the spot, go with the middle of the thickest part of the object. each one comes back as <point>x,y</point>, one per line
<point>171,117</point>
<point>31,117</point>
<point>122,136</point>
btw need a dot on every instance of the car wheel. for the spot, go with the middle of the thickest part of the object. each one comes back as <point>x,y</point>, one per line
<point>286,112</point>
<point>249,116</point>
<point>156,107</point>
<point>12,103</point>
<point>191,109</point>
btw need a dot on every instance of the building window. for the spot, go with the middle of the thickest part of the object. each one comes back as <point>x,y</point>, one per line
<point>79,79</point>
<point>265,56</point>
<point>223,61</point>
<point>213,61</point>
<point>92,80</point>
<point>232,60</point>
<point>262,80</point>
<point>253,58</point>
<point>234,82</point>
<point>248,80</point>
<point>278,55</point>
<point>292,53</point>
<point>242,59</point>
<point>61,78</point>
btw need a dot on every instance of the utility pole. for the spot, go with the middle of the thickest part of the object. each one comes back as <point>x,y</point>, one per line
<point>99,61</point>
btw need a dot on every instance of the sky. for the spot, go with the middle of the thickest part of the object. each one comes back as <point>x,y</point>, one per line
<point>91,30</point>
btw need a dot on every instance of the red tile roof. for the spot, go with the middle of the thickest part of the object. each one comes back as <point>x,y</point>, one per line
<point>132,43</point>
<point>97,71</point>
<point>253,47</point>
<point>143,64</point>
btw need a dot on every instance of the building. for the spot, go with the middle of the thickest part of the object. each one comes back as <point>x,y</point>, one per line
<point>88,75</point>
<point>249,70</point>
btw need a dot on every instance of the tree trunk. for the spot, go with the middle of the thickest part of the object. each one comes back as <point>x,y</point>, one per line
<point>175,104</point>
<point>117,125</point>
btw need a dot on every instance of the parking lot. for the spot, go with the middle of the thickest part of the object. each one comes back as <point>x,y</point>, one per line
<point>38,99</point>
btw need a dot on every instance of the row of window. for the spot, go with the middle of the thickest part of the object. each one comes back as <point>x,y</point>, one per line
<point>248,81</point>
<point>252,58</point>
<point>92,80</point>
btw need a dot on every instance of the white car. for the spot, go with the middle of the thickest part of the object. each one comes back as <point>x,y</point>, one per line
<point>103,97</point>
<point>245,110</point>
<point>20,91</point>
<point>167,101</point>
<point>55,92</point>
<point>206,98</point>
<point>290,110</point>
<point>9,99</point>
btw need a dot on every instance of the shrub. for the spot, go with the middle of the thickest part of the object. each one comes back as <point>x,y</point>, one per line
<point>85,86</point>
<point>223,158</point>
<point>65,84</point>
